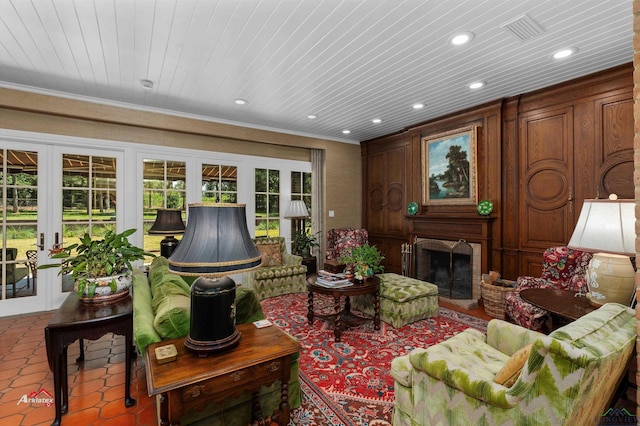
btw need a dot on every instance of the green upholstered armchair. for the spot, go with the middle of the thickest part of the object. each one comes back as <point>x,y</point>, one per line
<point>280,272</point>
<point>567,378</point>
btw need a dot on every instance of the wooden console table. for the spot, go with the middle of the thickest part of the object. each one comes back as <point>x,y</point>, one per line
<point>191,382</point>
<point>75,320</point>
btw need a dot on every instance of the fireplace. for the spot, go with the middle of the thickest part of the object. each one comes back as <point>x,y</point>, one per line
<point>447,264</point>
<point>449,229</point>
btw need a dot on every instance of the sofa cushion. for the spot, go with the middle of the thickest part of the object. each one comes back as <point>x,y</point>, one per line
<point>143,314</point>
<point>172,307</point>
<point>402,289</point>
<point>509,373</point>
<point>271,254</point>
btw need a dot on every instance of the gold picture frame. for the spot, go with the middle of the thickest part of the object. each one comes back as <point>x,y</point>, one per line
<point>449,168</point>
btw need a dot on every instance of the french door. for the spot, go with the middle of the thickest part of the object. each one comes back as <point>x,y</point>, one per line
<point>50,195</point>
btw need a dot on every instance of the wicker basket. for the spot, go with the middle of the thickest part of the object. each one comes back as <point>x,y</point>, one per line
<point>493,296</point>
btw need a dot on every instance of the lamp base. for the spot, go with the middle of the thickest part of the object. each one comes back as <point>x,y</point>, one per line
<point>168,245</point>
<point>213,316</point>
<point>611,278</point>
<point>203,349</point>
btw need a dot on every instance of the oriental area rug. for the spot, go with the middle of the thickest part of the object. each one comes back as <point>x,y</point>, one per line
<point>349,382</point>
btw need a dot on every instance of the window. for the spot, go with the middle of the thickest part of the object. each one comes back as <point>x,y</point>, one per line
<point>301,190</point>
<point>219,184</point>
<point>164,187</point>
<point>267,203</point>
<point>88,195</point>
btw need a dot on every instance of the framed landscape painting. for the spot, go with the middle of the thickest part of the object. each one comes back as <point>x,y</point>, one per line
<point>449,167</point>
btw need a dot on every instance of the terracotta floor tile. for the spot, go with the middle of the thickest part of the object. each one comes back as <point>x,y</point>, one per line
<point>123,419</point>
<point>40,415</point>
<point>84,388</point>
<point>30,379</point>
<point>84,417</point>
<point>13,420</point>
<point>84,401</point>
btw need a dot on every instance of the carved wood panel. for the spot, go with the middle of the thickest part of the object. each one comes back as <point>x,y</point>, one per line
<point>614,158</point>
<point>546,178</point>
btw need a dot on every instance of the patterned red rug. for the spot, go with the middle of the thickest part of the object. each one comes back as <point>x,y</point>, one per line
<point>348,383</point>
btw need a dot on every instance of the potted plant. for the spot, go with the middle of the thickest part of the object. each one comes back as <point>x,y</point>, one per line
<point>101,269</point>
<point>303,242</point>
<point>365,260</point>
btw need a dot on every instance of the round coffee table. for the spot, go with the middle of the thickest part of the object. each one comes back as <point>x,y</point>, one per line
<point>343,318</point>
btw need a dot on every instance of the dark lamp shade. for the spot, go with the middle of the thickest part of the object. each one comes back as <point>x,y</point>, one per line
<point>216,242</point>
<point>168,222</point>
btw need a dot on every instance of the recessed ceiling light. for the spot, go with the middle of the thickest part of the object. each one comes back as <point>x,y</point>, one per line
<point>376,121</point>
<point>312,116</point>
<point>346,131</point>
<point>418,106</point>
<point>147,84</point>
<point>564,53</point>
<point>459,39</point>
<point>477,84</point>
<point>240,102</point>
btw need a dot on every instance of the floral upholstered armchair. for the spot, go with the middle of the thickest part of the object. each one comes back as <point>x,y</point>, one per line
<point>513,375</point>
<point>341,240</point>
<point>562,268</point>
<point>280,272</point>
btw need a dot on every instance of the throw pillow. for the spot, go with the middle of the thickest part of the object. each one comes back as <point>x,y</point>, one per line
<point>509,373</point>
<point>271,255</point>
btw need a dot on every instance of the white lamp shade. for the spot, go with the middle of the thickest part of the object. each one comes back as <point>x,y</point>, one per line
<point>606,226</point>
<point>296,209</point>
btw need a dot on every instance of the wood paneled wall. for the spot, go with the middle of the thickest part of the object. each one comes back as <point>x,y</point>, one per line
<point>539,155</point>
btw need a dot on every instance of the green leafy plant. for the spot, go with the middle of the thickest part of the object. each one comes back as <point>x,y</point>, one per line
<point>365,260</point>
<point>92,259</point>
<point>302,242</point>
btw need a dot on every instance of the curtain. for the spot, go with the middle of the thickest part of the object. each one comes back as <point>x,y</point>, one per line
<point>317,207</point>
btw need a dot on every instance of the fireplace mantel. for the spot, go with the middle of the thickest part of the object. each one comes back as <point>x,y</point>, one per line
<point>453,227</point>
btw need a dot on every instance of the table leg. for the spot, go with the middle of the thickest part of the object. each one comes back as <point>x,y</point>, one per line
<point>164,409</point>
<point>81,356</point>
<point>128,343</point>
<point>284,402</point>
<point>57,388</point>
<point>65,381</point>
<point>376,311</point>
<point>256,410</point>
<point>310,308</point>
<point>337,324</point>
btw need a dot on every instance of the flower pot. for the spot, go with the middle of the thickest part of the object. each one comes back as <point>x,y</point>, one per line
<point>104,293</point>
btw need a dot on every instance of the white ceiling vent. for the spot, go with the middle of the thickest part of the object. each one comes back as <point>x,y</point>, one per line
<point>523,28</point>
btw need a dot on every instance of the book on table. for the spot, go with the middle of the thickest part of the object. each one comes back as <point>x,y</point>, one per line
<point>332,280</point>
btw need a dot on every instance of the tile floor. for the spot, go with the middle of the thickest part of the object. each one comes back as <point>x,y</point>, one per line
<point>96,387</point>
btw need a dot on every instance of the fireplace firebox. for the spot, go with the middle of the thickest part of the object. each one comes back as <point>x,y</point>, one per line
<point>447,264</point>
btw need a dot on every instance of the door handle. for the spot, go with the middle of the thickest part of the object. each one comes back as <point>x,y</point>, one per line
<point>41,245</point>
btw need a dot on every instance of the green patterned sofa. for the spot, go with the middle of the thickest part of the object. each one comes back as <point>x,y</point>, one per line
<point>568,378</point>
<point>280,273</point>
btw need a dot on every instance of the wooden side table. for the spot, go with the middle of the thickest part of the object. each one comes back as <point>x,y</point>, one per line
<point>311,263</point>
<point>563,305</point>
<point>343,317</point>
<point>191,382</point>
<point>75,320</point>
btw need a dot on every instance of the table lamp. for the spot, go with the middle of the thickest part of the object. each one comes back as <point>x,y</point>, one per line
<point>607,228</point>
<point>215,244</point>
<point>168,222</point>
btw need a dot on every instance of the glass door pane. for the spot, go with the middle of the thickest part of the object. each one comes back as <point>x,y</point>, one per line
<point>19,290</point>
<point>89,200</point>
